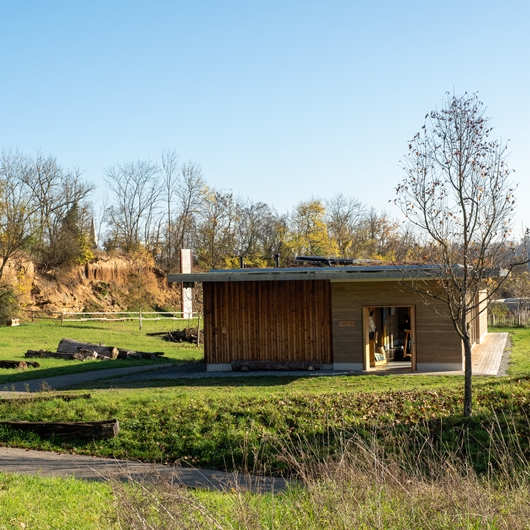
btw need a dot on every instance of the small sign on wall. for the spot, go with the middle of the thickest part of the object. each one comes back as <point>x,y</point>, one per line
<point>346,323</point>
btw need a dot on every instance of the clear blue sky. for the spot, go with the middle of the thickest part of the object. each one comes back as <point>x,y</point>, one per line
<point>277,100</point>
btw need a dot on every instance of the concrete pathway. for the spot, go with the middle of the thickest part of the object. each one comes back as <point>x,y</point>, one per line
<point>54,383</point>
<point>48,464</point>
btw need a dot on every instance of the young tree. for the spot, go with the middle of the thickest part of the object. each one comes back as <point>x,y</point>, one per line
<point>458,194</point>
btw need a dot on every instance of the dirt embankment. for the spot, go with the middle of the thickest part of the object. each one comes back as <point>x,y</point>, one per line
<point>107,284</point>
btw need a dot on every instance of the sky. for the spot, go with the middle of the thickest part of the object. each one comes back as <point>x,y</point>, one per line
<point>279,101</point>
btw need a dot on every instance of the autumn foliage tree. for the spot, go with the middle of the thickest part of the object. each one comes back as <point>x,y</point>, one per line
<point>458,194</point>
<point>309,232</point>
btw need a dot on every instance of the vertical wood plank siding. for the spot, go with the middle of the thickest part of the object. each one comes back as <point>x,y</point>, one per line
<point>268,321</point>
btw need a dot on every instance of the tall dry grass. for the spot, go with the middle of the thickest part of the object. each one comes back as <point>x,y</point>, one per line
<point>368,486</point>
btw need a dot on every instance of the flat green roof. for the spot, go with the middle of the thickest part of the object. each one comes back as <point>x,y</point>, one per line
<point>356,273</point>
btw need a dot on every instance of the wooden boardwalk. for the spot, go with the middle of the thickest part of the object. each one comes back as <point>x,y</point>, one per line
<point>487,355</point>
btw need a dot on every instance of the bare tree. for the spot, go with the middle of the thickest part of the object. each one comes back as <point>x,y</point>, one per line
<point>36,196</point>
<point>55,191</point>
<point>377,236</point>
<point>457,192</point>
<point>252,226</point>
<point>273,237</point>
<point>134,217</point>
<point>191,196</point>
<point>343,215</point>
<point>170,168</point>
<point>17,207</point>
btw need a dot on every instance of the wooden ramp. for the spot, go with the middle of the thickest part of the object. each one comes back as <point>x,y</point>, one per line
<point>488,354</point>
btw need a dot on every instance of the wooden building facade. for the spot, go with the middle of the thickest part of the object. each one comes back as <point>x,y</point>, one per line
<point>351,318</point>
<point>277,321</point>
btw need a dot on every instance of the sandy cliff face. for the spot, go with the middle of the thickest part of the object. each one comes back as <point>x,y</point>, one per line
<point>107,284</point>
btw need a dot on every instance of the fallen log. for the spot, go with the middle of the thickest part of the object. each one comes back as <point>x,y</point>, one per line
<point>146,354</point>
<point>83,355</point>
<point>47,353</point>
<point>20,365</point>
<point>73,346</point>
<point>130,354</point>
<point>81,351</point>
<point>191,335</point>
<point>33,364</point>
<point>68,429</point>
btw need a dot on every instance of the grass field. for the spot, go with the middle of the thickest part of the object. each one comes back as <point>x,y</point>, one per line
<point>45,335</point>
<point>345,437</point>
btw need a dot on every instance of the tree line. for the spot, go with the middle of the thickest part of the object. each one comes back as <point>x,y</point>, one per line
<point>159,207</point>
<point>457,197</point>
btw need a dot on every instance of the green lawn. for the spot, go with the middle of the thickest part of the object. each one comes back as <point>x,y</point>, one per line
<point>288,425</point>
<point>239,423</point>
<point>54,504</point>
<point>45,335</point>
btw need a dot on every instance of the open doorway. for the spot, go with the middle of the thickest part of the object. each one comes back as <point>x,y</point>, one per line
<point>389,337</point>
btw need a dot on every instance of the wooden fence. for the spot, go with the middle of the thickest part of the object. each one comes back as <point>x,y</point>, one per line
<point>520,320</point>
<point>110,316</point>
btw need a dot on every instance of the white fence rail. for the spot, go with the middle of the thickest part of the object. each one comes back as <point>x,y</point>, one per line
<point>118,316</point>
<point>111,316</point>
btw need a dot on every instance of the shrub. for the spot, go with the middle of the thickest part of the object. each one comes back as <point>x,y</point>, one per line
<point>9,306</point>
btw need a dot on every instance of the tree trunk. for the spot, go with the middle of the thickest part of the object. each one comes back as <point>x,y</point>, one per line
<point>468,377</point>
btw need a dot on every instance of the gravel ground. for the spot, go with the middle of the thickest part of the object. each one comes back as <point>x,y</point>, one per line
<point>505,360</point>
<point>198,370</point>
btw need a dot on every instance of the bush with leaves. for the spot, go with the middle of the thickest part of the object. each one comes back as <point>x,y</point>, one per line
<point>9,306</point>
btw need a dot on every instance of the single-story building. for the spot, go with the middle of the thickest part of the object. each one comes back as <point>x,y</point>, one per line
<point>342,318</point>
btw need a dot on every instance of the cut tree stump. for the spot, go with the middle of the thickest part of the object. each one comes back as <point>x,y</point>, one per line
<point>68,429</point>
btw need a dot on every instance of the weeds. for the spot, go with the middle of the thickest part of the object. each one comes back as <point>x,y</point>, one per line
<point>364,486</point>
